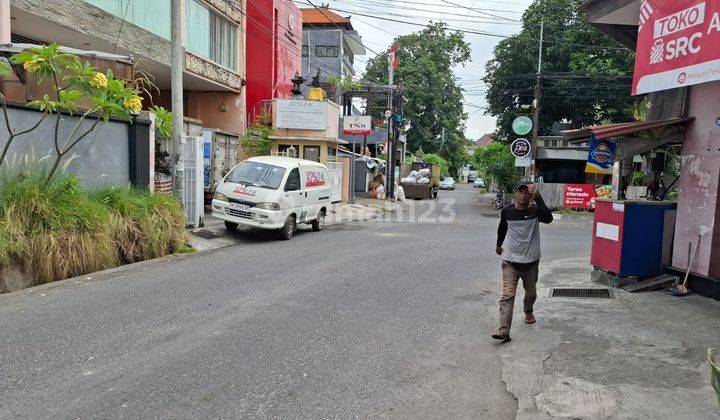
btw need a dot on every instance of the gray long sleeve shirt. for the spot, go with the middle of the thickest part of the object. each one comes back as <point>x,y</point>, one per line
<point>519,231</point>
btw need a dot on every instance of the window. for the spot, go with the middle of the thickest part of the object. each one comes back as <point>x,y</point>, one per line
<point>305,51</point>
<point>288,150</point>
<point>257,174</point>
<point>311,153</point>
<point>293,181</point>
<point>327,51</point>
<point>332,152</point>
<point>210,35</point>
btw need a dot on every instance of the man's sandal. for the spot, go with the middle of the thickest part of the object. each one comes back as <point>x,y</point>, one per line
<point>530,319</point>
<point>501,335</point>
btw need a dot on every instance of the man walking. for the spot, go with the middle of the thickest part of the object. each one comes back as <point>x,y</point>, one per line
<point>519,244</point>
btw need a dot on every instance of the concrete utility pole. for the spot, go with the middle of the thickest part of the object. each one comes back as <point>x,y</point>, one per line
<point>177,64</point>
<point>536,106</point>
<point>442,140</point>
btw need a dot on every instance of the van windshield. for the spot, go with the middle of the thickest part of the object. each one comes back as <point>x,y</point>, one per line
<point>256,174</point>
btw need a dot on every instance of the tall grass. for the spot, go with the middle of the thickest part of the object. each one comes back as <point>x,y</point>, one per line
<point>55,229</point>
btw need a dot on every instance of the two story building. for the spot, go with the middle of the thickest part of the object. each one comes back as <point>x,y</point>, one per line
<point>214,46</point>
<point>329,44</point>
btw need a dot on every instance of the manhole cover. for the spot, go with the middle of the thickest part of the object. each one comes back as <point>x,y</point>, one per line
<point>582,293</point>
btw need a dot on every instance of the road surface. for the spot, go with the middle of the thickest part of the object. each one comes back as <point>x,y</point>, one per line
<point>377,319</point>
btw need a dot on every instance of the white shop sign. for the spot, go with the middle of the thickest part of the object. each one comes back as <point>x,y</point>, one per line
<point>300,114</point>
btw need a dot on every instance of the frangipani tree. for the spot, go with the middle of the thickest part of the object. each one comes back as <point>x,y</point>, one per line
<point>74,84</point>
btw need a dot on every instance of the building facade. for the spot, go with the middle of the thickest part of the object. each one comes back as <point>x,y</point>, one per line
<point>274,31</point>
<point>214,44</point>
<point>329,45</point>
<point>696,108</point>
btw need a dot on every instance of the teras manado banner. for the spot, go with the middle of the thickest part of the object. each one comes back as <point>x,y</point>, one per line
<point>677,44</point>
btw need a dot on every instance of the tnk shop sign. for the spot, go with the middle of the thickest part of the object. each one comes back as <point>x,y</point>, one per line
<point>677,44</point>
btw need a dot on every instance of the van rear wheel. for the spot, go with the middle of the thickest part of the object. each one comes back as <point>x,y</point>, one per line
<point>288,230</point>
<point>319,223</point>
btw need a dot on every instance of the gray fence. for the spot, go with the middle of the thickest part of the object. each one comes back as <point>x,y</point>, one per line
<point>552,194</point>
<point>118,153</point>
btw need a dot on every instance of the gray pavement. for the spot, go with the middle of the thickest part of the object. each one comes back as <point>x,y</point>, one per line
<point>386,318</point>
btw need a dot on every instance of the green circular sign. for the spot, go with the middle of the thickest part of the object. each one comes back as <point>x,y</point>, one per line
<point>522,125</point>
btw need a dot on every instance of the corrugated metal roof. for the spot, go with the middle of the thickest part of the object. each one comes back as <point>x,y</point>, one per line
<point>324,16</point>
<point>623,129</point>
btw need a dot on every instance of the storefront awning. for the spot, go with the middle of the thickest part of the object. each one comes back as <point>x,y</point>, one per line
<point>633,138</point>
<point>609,131</point>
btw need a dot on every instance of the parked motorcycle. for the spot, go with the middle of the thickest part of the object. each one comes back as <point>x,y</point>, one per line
<point>499,202</point>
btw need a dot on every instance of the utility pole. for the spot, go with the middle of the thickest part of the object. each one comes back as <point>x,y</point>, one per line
<point>390,152</point>
<point>177,13</point>
<point>536,106</point>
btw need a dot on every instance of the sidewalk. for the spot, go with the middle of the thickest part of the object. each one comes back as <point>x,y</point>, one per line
<point>213,234</point>
<point>639,355</point>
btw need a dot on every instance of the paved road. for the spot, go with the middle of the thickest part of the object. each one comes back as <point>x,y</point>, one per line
<point>373,319</point>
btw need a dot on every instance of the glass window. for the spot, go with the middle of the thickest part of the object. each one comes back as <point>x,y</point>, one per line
<point>305,50</point>
<point>332,152</point>
<point>320,51</point>
<point>311,153</point>
<point>151,15</point>
<point>256,174</point>
<point>210,35</point>
<point>332,51</point>
<point>293,181</point>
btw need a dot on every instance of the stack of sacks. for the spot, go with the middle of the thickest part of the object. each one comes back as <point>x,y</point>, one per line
<point>423,176</point>
<point>411,178</point>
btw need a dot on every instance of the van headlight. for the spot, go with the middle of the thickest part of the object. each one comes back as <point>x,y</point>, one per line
<point>220,196</point>
<point>268,206</point>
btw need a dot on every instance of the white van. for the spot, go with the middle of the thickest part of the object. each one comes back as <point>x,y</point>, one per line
<point>274,192</point>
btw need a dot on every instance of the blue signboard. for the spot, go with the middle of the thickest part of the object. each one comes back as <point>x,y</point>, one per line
<point>601,156</point>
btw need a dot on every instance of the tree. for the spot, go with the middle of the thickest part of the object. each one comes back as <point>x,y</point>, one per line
<point>496,162</point>
<point>444,164</point>
<point>73,83</point>
<point>587,75</point>
<point>434,97</point>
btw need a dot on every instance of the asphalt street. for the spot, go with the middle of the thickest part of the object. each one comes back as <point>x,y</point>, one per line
<point>389,318</point>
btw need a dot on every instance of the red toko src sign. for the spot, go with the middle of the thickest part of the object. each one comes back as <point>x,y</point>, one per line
<point>677,44</point>
<point>579,196</point>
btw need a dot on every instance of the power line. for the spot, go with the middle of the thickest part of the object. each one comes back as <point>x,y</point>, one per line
<point>479,11</point>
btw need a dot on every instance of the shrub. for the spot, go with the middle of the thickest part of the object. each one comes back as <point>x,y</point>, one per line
<point>54,229</point>
<point>143,225</point>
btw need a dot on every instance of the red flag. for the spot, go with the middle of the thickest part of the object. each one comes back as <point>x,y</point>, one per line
<point>392,57</point>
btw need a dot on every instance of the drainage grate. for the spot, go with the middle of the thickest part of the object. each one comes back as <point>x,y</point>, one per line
<point>582,293</point>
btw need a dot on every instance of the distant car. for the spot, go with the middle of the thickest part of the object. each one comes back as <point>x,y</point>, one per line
<point>472,178</point>
<point>479,183</point>
<point>447,183</point>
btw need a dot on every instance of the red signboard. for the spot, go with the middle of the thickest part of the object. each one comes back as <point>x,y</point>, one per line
<point>677,44</point>
<point>579,196</point>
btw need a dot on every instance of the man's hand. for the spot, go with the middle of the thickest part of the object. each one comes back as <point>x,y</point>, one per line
<point>499,250</point>
<point>532,189</point>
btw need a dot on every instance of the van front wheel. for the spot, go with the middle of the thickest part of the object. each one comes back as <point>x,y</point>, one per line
<point>231,226</point>
<point>319,223</point>
<point>288,230</point>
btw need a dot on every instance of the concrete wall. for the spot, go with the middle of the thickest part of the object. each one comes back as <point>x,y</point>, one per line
<point>208,108</point>
<point>108,156</point>
<point>700,172</point>
<point>553,194</point>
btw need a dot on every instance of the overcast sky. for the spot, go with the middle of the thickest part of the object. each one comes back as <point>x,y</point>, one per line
<point>491,16</point>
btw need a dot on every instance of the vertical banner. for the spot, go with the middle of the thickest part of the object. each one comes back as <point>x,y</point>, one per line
<point>601,156</point>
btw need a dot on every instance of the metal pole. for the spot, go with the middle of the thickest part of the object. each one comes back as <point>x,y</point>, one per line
<point>536,106</point>
<point>177,9</point>
<point>442,142</point>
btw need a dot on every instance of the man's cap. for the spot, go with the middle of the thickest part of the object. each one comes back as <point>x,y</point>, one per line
<point>523,183</point>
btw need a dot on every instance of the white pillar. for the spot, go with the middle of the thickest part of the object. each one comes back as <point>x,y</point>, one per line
<point>5,21</point>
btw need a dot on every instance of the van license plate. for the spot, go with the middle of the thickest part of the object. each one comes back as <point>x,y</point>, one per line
<point>238,206</point>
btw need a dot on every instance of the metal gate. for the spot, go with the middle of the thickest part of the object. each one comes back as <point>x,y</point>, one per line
<point>336,180</point>
<point>192,170</point>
